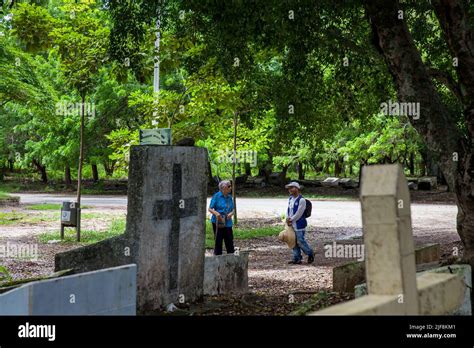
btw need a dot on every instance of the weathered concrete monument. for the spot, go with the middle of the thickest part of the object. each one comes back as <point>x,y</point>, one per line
<point>110,291</point>
<point>165,233</point>
<point>226,274</point>
<point>392,284</point>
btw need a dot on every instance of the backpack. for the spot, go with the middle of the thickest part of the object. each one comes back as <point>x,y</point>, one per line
<point>309,207</point>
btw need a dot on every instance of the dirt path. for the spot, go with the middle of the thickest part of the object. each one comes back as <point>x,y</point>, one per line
<point>270,273</point>
<point>276,287</point>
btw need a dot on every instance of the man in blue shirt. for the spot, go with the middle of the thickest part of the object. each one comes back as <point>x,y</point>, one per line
<point>295,217</point>
<point>222,210</point>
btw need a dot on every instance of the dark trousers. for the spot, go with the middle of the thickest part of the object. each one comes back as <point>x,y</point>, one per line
<point>223,234</point>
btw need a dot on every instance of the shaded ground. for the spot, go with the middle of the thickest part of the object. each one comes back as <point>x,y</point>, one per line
<point>268,259</point>
<point>276,287</point>
<point>32,223</point>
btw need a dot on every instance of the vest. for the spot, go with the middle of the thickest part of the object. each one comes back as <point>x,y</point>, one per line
<point>301,223</point>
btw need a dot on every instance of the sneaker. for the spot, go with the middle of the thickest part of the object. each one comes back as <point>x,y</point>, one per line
<point>292,262</point>
<point>310,259</point>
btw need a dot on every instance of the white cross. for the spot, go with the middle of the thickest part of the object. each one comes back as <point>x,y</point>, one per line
<point>392,284</point>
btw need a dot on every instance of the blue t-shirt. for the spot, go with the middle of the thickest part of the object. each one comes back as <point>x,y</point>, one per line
<point>223,205</point>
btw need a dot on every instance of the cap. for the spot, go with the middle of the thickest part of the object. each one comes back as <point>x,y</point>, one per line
<point>293,184</point>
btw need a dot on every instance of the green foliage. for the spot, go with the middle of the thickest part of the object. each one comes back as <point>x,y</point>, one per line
<point>81,40</point>
<point>4,275</point>
<point>9,218</point>
<point>121,141</point>
<point>32,24</point>
<point>296,100</point>
<point>46,206</point>
<point>117,227</point>
<point>243,233</point>
<point>387,139</point>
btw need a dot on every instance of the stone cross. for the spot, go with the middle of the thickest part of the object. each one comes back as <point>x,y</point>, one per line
<point>392,284</point>
<point>175,209</point>
<point>166,232</point>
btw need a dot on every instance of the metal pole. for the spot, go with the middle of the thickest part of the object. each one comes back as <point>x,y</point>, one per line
<point>233,168</point>
<point>78,227</point>
<point>156,70</point>
<point>81,160</point>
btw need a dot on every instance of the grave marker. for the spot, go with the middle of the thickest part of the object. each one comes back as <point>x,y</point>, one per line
<point>165,234</point>
<point>176,208</point>
<point>390,255</point>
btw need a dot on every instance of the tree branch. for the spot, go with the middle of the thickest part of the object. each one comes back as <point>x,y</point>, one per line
<point>453,16</point>
<point>5,102</point>
<point>414,83</point>
<point>447,80</point>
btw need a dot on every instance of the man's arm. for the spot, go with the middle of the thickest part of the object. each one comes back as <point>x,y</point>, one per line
<point>287,212</point>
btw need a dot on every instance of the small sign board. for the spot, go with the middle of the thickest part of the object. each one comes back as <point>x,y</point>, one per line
<point>159,136</point>
<point>65,216</point>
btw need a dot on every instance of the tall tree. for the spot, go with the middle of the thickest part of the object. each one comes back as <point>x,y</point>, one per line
<point>414,79</point>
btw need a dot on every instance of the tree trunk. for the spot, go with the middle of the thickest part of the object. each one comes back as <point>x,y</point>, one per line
<point>109,168</point>
<point>411,164</point>
<point>265,171</point>
<point>42,170</point>
<point>262,171</point>
<point>283,174</point>
<point>326,168</point>
<point>361,164</point>
<point>432,167</point>
<point>209,173</point>
<point>414,84</point>
<point>455,21</point>
<point>233,167</point>
<point>67,176</point>
<point>11,165</point>
<point>95,172</point>
<point>436,124</point>
<point>337,168</point>
<point>44,175</point>
<point>424,164</point>
<point>81,154</point>
<point>248,169</point>
<point>300,171</point>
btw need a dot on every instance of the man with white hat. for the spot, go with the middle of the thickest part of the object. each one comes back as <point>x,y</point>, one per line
<point>296,217</point>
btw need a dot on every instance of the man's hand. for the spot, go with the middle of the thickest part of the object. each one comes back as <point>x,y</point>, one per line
<point>229,216</point>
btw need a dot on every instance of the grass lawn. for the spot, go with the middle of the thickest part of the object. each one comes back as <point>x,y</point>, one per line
<point>11,218</point>
<point>243,233</point>
<point>14,217</point>
<point>9,187</point>
<point>117,227</point>
<point>3,195</point>
<point>45,206</point>
<point>48,206</point>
